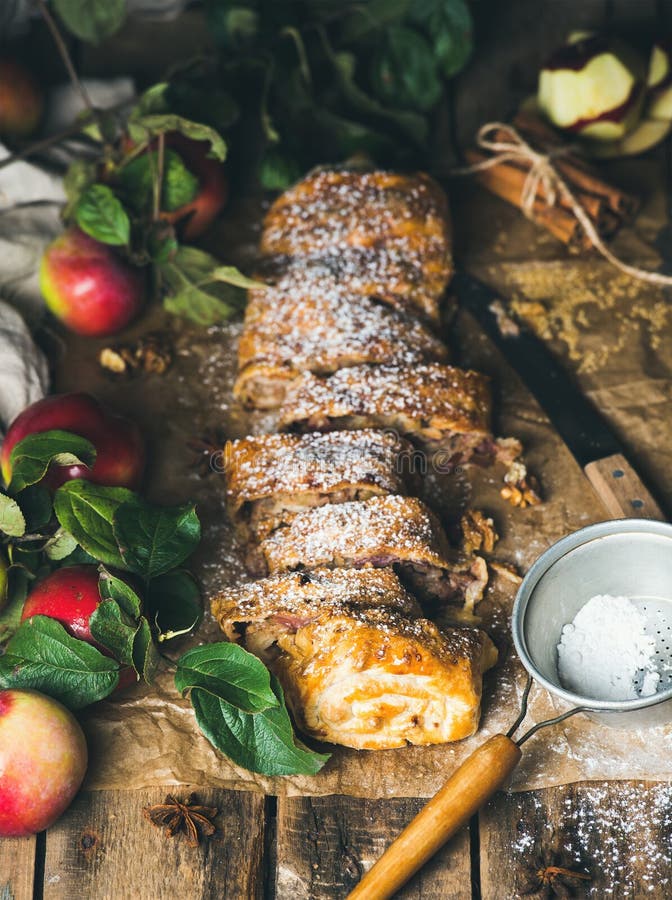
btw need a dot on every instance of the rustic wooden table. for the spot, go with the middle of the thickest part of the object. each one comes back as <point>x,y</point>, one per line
<point>318,847</point>
<point>619,832</point>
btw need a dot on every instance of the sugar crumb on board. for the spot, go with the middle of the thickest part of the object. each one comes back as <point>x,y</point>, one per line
<point>614,834</point>
<point>568,303</point>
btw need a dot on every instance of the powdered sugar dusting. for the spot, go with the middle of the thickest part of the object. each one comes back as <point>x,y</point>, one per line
<point>441,396</point>
<point>291,463</point>
<point>391,526</point>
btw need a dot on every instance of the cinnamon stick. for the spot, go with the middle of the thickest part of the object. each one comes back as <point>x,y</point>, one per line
<point>502,181</point>
<point>518,174</point>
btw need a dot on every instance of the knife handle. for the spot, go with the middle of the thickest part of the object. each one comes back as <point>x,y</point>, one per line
<point>621,490</point>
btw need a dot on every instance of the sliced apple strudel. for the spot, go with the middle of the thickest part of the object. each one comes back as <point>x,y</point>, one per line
<point>386,531</point>
<point>311,324</point>
<point>272,477</point>
<point>357,665</point>
<point>437,406</point>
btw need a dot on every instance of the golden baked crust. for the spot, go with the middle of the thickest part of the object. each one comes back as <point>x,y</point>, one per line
<point>383,531</point>
<point>309,322</point>
<point>438,406</point>
<point>269,478</point>
<point>356,665</point>
<point>381,233</point>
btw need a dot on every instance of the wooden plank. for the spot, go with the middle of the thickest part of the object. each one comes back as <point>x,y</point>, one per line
<point>619,832</point>
<point>325,844</point>
<point>103,847</point>
<point>17,868</point>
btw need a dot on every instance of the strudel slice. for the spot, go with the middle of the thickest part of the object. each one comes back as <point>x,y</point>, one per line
<point>437,406</point>
<point>272,477</point>
<point>312,324</point>
<point>357,665</point>
<point>393,531</point>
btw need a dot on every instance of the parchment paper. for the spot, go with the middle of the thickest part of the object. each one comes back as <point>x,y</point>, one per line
<point>616,335</point>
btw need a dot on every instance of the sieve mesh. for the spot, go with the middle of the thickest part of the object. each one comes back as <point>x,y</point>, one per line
<point>657,612</point>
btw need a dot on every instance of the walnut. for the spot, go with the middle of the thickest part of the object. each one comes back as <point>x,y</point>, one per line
<point>150,353</point>
<point>478,532</point>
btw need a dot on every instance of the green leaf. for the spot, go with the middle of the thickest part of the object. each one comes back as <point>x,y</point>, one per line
<point>228,672</point>
<point>180,186</point>
<point>449,25</point>
<point>87,510</point>
<point>231,275</point>
<point>18,582</point>
<point>136,180</point>
<point>404,71</point>
<point>198,305</point>
<point>43,656</point>
<point>113,629</point>
<point>102,216</point>
<point>155,539</point>
<point>261,742</point>
<point>146,657</point>
<point>31,457</point>
<point>12,520</point>
<point>174,604</point>
<point>92,20</point>
<point>81,174</point>
<point>144,127</point>
<point>361,21</point>
<point>413,125</point>
<point>200,289</point>
<point>152,101</point>
<point>112,588</point>
<point>60,545</point>
<point>278,170</point>
<point>36,506</point>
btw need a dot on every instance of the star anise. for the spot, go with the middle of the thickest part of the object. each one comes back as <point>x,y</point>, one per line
<point>550,877</point>
<point>207,450</point>
<point>174,816</point>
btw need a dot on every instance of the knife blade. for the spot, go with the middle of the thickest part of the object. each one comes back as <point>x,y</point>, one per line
<point>588,436</point>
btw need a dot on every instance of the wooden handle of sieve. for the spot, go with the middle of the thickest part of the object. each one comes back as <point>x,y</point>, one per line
<point>476,780</point>
<point>621,490</point>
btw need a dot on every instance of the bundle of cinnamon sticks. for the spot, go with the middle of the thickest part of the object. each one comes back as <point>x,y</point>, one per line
<point>607,206</point>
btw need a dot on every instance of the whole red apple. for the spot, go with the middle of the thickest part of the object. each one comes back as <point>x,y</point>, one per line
<point>196,217</point>
<point>70,595</point>
<point>43,760</point>
<point>88,286</point>
<point>120,449</point>
<point>21,100</point>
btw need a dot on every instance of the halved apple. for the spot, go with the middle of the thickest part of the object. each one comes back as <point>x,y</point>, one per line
<point>593,87</point>
<point>659,83</point>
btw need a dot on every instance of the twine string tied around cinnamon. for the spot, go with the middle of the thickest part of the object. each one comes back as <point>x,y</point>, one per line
<point>542,171</point>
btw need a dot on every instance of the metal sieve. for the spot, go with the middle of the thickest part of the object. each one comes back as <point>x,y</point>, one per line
<point>622,557</point>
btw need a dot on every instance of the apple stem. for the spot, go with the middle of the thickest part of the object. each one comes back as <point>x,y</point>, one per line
<point>67,59</point>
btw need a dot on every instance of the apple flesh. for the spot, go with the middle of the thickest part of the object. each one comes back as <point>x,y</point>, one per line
<point>120,449</point>
<point>21,100</point>
<point>88,286</point>
<point>659,84</point>
<point>195,218</point>
<point>70,595</point>
<point>592,87</point>
<point>43,759</point>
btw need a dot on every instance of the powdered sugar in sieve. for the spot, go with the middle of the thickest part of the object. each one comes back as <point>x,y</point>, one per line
<point>618,648</point>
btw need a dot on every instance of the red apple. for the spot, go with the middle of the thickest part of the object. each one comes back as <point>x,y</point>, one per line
<point>196,217</point>
<point>88,286</point>
<point>70,595</point>
<point>43,759</point>
<point>21,100</point>
<point>120,450</point>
